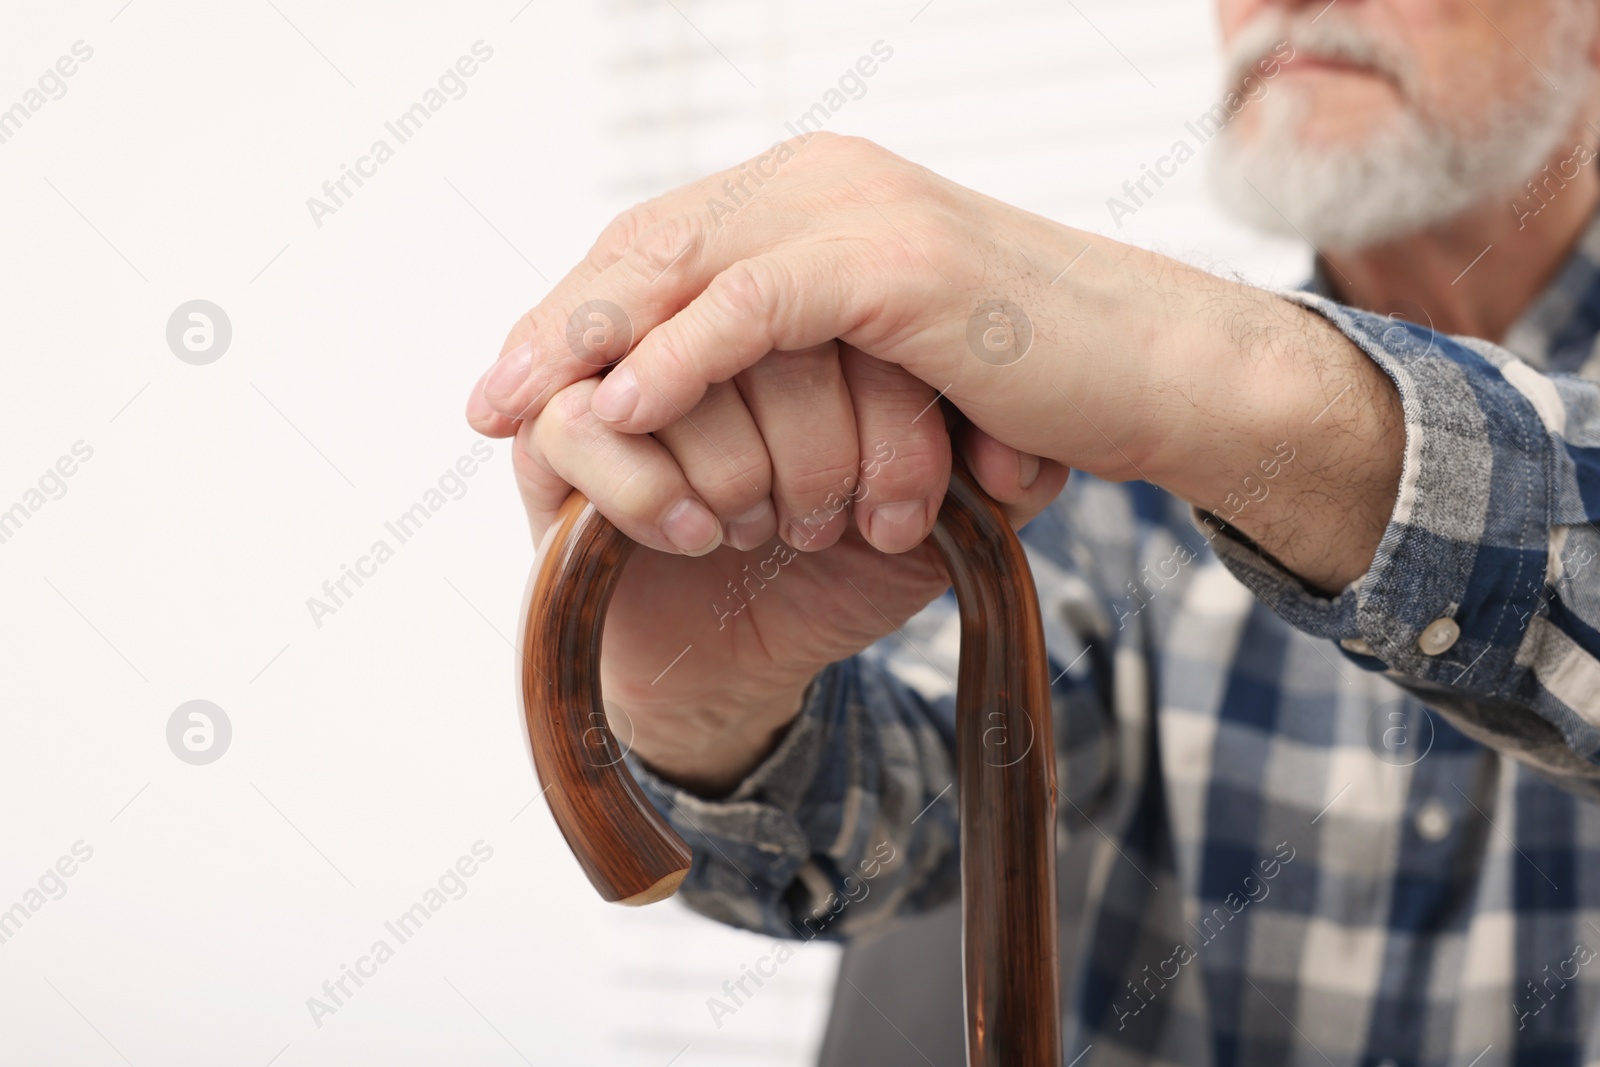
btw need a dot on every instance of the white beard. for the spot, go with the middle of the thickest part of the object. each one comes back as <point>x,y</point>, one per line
<point>1415,173</point>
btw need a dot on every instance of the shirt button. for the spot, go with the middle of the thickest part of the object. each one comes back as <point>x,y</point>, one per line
<point>1440,636</point>
<point>1358,645</point>
<point>1433,821</point>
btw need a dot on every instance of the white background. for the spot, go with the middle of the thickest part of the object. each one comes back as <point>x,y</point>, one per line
<point>371,752</point>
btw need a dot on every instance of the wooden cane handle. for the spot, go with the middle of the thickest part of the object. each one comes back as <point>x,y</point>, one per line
<point>1005,756</point>
<point>623,844</point>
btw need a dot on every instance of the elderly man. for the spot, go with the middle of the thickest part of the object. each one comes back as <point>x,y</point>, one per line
<point>1322,598</point>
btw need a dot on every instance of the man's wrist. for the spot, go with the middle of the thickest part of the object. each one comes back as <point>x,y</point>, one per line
<point>710,761</point>
<point>1297,438</point>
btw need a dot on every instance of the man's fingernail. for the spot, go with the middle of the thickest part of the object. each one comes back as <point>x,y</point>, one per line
<point>1027,469</point>
<point>478,408</point>
<point>801,536</point>
<point>753,528</point>
<point>898,526</point>
<point>508,374</point>
<point>617,396</point>
<point>692,529</point>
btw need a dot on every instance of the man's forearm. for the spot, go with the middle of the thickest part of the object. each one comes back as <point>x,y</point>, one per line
<point>1295,437</point>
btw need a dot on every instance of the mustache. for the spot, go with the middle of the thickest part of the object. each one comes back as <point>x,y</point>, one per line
<point>1331,37</point>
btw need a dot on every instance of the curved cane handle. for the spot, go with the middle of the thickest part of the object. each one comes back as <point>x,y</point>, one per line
<point>1005,756</point>
<point>623,844</point>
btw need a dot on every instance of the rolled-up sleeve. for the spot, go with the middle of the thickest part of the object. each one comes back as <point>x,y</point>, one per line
<point>850,820</point>
<point>1484,594</point>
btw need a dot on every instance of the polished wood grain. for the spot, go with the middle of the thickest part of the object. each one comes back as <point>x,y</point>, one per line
<point>1006,766</point>
<point>1005,760</point>
<point>623,844</point>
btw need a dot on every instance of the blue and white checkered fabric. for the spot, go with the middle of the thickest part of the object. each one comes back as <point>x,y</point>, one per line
<point>1317,843</point>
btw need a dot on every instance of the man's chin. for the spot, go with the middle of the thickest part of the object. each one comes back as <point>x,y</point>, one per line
<point>1299,169</point>
<point>1317,191</point>
<point>1349,171</point>
<point>1332,122</point>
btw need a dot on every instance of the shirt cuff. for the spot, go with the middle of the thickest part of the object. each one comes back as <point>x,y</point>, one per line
<point>1461,567</point>
<point>753,836</point>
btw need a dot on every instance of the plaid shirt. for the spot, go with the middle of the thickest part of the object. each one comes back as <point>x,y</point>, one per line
<point>1341,830</point>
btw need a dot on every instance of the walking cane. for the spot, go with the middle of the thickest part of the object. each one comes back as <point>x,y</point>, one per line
<point>1005,760</point>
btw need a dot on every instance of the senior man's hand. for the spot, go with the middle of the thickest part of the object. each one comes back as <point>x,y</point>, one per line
<point>784,322</point>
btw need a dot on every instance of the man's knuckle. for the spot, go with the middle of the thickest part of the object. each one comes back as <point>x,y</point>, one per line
<point>568,410</point>
<point>747,288</point>
<point>664,246</point>
<point>621,233</point>
<point>638,495</point>
<point>730,485</point>
<point>525,460</point>
<point>525,327</point>
<point>669,353</point>
<point>812,149</point>
<point>846,146</point>
<point>915,462</point>
<point>820,478</point>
